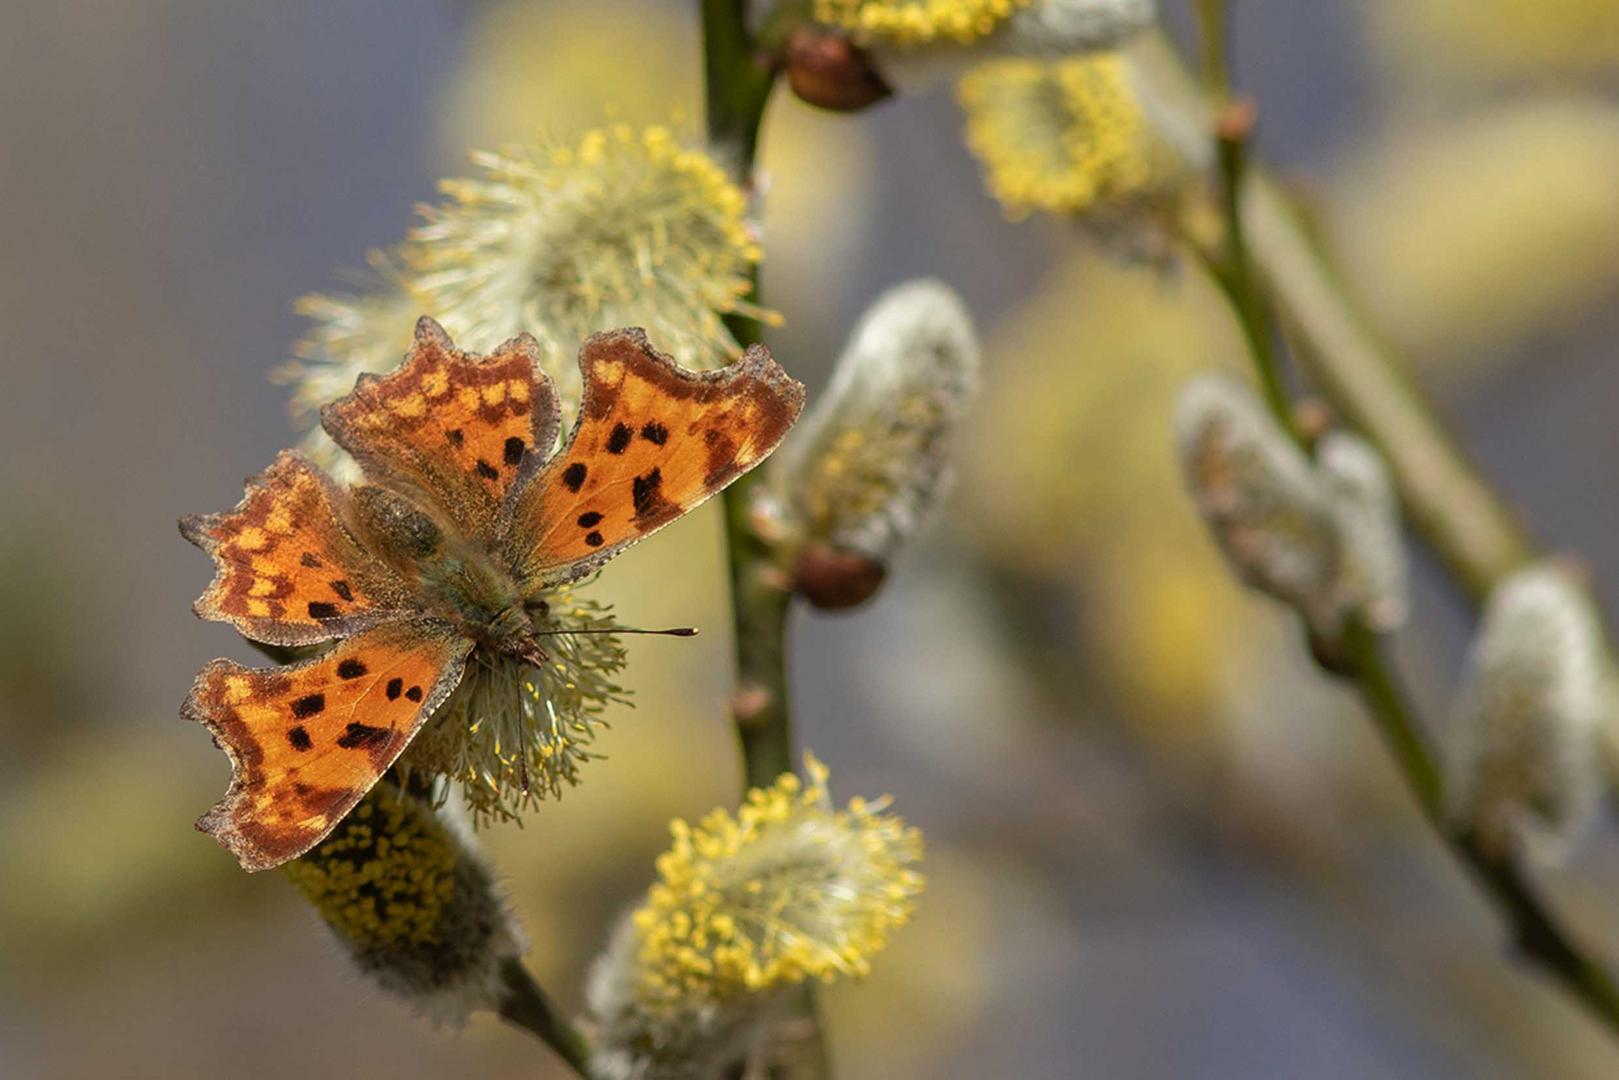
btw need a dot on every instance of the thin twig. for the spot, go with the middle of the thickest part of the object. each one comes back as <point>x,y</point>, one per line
<point>1234,269</point>
<point>525,1005</point>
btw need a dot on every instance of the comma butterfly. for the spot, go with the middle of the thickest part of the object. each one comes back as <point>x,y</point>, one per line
<point>463,521</point>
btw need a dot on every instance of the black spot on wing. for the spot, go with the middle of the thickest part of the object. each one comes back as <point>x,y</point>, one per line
<point>589,520</point>
<point>357,736</point>
<point>414,693</point>
<point>299,738</point>
<point>309,705</point>
<point>647,492</point>
<point>594,539</point>
<point>573,477</point>
<point>341,588</point>
<point>655,433</point>
<point>619,440</point>
<point>320,609</point>
<point>394,688</point>
<point>513,452</point>
<point>350,669</point>
<point>487,471</point>
<point>311,560</point>
<point>455,436</point>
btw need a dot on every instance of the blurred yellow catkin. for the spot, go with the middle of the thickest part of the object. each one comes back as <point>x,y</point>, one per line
<point>1467,237</point>
<point>1087,370</point>
<point>1492,39</point>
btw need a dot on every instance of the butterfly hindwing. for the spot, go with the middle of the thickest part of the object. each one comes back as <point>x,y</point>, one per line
<point>652,441</point>
<point>307,741</point>
<point>457,427</point>
<point>288,570</point>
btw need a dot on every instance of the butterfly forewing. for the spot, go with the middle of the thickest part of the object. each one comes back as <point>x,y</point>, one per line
<point>652,441</point>
<point>288,570</point>
<point>307,741</point>
<point>455,427</point>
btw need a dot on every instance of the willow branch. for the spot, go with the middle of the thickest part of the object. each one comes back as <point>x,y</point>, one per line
<point>738,82</point>
<point>1358,654</point>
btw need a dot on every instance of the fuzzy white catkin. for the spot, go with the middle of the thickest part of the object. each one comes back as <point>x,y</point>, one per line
<point>1267,508</point>
<point>869,463</point>
<point>1049,28</point>
<point>1372,580</point>
<point>1523,751</point>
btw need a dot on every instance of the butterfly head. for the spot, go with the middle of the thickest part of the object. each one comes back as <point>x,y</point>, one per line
<point>512,634</point>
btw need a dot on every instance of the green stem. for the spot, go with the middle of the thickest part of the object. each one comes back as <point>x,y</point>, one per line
<point>1234,271</point>
<point>760,706</point>
<point>1212,18</point>
<point>525,1005</point>
<point>737,79</point>
<point>738,85</point>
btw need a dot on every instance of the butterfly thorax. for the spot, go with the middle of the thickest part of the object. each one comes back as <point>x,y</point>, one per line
<point>458,580</point>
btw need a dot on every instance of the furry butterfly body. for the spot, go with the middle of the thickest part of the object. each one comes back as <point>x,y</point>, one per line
<point>447,550</point>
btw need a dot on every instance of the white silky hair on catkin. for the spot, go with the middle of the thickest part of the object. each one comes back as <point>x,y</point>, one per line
<point>1523,756</point>
<point>1049,28</point>
<point>1373,581</point>
<point>871,461</point>
<point>1268,509</point>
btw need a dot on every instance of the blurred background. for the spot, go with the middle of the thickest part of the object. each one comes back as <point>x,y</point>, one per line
<point>1159,844</point>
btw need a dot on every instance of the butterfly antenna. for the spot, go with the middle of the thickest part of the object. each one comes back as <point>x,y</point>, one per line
<point>673,631</point>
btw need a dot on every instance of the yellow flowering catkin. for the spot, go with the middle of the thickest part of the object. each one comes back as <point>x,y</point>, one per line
<point>785,890</point>
<point>1062,137</point>
<point>411,903</point>
<point>916,22</point>
<point>514,734</point>
<point>622,226</point>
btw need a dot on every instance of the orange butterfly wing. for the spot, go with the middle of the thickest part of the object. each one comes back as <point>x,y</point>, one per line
<point>653,440</point>
<point>287,569</point>
<point>457,427</point>
<point>307,741</point>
